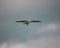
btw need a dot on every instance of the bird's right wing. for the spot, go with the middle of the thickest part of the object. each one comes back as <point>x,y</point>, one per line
<point>21,21</point>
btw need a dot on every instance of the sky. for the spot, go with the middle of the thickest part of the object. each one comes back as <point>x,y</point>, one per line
<point>36,35</point>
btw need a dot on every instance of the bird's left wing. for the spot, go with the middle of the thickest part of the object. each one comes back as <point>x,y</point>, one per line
<point>36,21</point>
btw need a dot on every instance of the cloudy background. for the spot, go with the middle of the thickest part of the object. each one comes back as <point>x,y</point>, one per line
<point>37,35</point>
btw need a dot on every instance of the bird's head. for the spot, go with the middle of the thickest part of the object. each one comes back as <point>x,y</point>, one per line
<point>28,20</point>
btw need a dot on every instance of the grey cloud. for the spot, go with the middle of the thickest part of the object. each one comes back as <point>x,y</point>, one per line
<point>45,42</point>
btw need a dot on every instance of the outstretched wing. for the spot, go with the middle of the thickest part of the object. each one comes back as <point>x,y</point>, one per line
<point>35,21</point>
<point>21,21</point>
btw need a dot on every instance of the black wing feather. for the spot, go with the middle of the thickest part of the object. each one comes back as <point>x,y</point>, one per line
<point>35,21</point>
<point>21,21</point>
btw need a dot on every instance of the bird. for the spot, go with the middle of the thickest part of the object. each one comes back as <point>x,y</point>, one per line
<point>27,22</point>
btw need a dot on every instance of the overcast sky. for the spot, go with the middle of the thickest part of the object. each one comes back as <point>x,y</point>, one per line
<point>37,35</point>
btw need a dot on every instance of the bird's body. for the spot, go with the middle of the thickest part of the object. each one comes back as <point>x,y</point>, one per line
<point>28,21</point>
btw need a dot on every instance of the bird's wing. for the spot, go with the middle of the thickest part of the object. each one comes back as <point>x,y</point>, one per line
<point>35,21</point>
<point>21,21</point>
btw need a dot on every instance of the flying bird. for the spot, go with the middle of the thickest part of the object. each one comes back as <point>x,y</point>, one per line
<point>28,21</point>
